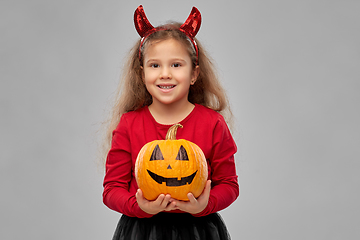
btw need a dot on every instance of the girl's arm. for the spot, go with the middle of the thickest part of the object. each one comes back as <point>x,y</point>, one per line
<point>117,179</point>
<point>224,180</point>
<point>225,187</point>
<point>119,194</point>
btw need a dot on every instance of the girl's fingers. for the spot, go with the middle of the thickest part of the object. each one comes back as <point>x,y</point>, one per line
<point>171,206</point>
<point>206,193</point>
<point>159,199</point>
<point>139,196</point>
<point>192,199</point>
<point>195,205</point>
<point>166,201</point>
<point>208,187</point>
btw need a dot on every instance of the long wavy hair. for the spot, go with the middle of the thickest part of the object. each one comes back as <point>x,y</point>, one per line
<point>131,93</point>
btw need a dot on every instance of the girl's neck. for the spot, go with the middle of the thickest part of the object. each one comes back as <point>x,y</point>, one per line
<point>170,114</point>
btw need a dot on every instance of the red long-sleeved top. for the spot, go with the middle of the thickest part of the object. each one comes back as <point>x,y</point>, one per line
<point>202,126</point>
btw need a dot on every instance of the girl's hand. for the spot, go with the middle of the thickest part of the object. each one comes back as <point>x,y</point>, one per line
<point>195,205</point>
<point>162,203</point>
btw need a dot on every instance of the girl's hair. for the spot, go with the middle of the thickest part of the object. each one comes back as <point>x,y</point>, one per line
<point>132,94</point>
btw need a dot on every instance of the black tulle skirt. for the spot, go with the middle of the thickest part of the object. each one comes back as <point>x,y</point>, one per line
<point>172,226</point>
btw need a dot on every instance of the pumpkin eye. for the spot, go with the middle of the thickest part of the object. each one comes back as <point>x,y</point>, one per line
<point>156,154</point>
<point>182,154</point>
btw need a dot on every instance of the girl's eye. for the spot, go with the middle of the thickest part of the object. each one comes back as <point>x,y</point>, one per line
<point>176,65</point>
<point>154,65</point>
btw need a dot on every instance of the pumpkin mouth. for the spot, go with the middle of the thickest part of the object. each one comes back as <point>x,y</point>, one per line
<point>172,182</point>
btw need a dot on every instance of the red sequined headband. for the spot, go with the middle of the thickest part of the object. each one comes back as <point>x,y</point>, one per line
<point>190,27</point>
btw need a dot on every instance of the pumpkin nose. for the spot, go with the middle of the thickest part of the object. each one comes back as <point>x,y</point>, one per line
<point>169,167</point>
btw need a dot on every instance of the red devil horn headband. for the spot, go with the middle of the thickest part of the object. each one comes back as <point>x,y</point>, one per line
<point>190,27</point>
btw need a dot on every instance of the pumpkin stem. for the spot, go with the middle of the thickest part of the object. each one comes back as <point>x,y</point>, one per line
<point>171,133</point>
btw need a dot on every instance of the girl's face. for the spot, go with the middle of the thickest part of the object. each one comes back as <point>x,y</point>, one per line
<point>168,72</point>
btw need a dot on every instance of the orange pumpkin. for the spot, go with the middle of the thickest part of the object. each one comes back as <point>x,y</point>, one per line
<point>171,166</point>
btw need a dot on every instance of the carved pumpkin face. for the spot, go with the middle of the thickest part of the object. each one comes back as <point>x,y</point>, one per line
<point>176,167</point>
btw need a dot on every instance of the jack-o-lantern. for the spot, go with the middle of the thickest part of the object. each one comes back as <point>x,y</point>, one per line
<point>171,166</point>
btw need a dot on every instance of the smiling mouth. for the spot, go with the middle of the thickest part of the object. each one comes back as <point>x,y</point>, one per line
<point>166,86</point>
<point>172,182</point>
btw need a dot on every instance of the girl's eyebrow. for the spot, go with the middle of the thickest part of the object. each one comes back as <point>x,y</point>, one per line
<point>173,59</point>
<point>152,60</point>
<point>178,59</point>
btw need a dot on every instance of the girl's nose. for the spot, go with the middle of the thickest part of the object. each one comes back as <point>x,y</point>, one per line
<point>165,73</point>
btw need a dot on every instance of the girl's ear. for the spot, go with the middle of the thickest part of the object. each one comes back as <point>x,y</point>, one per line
<point>195,75</point>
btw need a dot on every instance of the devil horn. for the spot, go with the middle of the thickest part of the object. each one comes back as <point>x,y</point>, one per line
<point>142,24</point>
<point>192,23</point>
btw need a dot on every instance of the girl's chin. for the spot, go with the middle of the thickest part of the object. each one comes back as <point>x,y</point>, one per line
<point>170,102</point>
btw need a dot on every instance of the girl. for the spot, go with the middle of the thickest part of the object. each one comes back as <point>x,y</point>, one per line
<point>169,79</point>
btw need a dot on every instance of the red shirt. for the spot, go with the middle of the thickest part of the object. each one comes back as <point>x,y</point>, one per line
<point>202,126</point>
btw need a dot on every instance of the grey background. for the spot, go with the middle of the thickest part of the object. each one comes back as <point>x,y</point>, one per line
<point>291,69</point>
